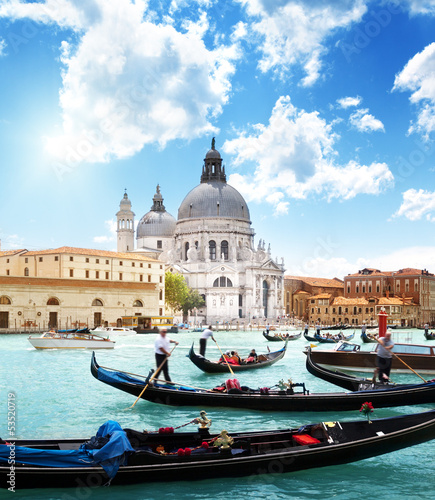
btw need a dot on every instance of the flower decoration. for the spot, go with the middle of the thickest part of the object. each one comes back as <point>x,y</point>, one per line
<point>366,409</point>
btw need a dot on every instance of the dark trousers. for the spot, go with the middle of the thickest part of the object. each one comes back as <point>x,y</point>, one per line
<point>384,367</point>
<point>202,346</point>
<point>159,360</point>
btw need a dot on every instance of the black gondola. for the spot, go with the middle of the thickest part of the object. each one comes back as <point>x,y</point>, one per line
<point>325,340</point>
<point>429,336</point>
<point>367,338</point>
<point>280,337</point>
<point>270,400</point>
<point>207,366</point>
<point>251,453</point>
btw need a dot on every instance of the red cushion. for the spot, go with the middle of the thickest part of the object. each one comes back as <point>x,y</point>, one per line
<point>305,439</point>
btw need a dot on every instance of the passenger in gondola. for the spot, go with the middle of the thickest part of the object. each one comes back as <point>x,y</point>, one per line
<point>235,358</point>
<point>252,358</point>
<point>225,357</point>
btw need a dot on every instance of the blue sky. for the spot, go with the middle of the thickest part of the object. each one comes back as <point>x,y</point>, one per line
<point>324,113</point>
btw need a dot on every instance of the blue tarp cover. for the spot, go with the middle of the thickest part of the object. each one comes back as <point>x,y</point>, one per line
<point>111,376</point>
<point>110,456</point>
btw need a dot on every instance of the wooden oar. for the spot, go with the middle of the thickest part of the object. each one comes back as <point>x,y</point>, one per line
<point>225,359</point>
<point>152,378</point>
<point>407,366</point>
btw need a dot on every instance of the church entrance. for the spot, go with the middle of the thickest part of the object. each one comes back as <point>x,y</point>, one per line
<point>265,291</point>
<point>4,319</point>
<point>52,322</point>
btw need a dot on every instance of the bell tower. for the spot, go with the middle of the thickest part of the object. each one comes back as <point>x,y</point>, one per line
<point>125,226</point>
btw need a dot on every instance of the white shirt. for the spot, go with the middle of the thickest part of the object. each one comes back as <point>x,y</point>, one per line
<point>207,333</point>
<point>162,342</point>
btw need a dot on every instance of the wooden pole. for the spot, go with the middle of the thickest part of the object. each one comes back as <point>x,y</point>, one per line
<point>225,359</point>
<point>151,379</point>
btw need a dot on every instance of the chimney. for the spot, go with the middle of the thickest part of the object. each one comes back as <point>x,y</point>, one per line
<point>387,294</point>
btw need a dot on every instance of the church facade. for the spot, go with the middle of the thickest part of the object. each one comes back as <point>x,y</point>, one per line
<point>212,244</point>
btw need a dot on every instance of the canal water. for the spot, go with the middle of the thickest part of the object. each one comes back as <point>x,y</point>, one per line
<point>57,397</point>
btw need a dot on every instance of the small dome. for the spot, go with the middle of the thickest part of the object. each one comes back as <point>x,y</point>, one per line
<point>156,224</point>
<point>214,199</point>
<point>212,153</point>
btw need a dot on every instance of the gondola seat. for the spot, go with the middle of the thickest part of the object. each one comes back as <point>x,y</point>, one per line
<point>304,439</point>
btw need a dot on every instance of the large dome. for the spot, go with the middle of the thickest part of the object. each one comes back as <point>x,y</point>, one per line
<point>214,199</point>
<point>156,224</point>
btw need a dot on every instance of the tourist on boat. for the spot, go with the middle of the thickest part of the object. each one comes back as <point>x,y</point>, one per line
<point>384,357</point>
<point>236,358</point>
<point>206,334</point>
<point>252,358</point>
<point>162,350</point>
<point>225,357</point>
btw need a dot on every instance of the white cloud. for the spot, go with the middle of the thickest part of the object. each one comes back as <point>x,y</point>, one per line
<point>129,81</point>
<point>421,6</point>
<point>111,228</point>
<point>417,204</point>
<point>295,157</point>
<point>363,121</point>
<point>418,257</point>
<point>295,31</point>
<point>349,102</point>
<point>11,241</point>
<point>418,77</point>
<point>2,47</point>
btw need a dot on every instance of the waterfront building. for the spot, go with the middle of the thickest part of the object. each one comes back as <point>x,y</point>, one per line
<point>212,244</point>
<point>299,291</point>
<point>413,288</point>
<point>74,287</point>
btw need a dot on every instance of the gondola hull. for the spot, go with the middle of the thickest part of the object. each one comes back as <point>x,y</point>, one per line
<point>262,453</point>
<point>274,401</point>
<point>429,336</point>
<point>210,367</point>
<point>366,339</point>
<point>281,337</point>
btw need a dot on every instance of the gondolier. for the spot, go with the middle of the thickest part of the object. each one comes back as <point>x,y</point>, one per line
<point>206,334</point>
<point>306,329</point>
<point>384,357</point>
<point>162,350</point>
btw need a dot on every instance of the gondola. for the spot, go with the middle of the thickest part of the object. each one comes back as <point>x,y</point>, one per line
<point>344,380</point>
<point>262,399</point>
<point>335,327</point>
<point>280,337</point>
<point>324,340</point>
<point>429,336</point>
<point>159,457</point>
<point>207,366</point>
<point>367,339</point>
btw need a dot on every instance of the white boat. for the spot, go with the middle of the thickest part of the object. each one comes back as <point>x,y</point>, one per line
<point>55,340</point>
<point>110,329</point>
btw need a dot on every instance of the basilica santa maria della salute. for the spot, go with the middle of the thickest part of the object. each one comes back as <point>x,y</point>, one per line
<point>211,244</point>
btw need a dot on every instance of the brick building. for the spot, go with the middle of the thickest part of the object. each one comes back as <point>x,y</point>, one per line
<point>299,291</point>
<point>413,291</point>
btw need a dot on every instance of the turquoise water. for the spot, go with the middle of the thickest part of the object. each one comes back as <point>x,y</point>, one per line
<point>56,396</point>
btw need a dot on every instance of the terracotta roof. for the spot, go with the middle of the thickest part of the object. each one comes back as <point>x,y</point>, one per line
<point>325,282</point>
<point>11,252</point>
<point>374,273</point>
<point>344,301</point>
<point>412,271</point>
<point>322,296</point>
<point>87,251</point>
<point>301,291</point>
<point>390,301</point>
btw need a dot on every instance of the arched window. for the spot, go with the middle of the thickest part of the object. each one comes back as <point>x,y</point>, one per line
<point>222,282</point>
<point>4,301</point>
<point>138,303</point>
<point>97,302</point>
<point>212,248</point>
<point>224,250</point>
<point>186,248</point>
<point>52,301</point>
<point>26,271</point>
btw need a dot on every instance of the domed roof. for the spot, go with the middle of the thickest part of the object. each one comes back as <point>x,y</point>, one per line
<point>214,199</point>
<point>212,153</point>
<point>156,224</point>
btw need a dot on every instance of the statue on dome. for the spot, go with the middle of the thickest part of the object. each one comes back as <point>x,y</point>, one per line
<point>213,143</point>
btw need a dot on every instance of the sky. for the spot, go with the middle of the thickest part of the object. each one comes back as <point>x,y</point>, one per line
<point>324,114</point>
